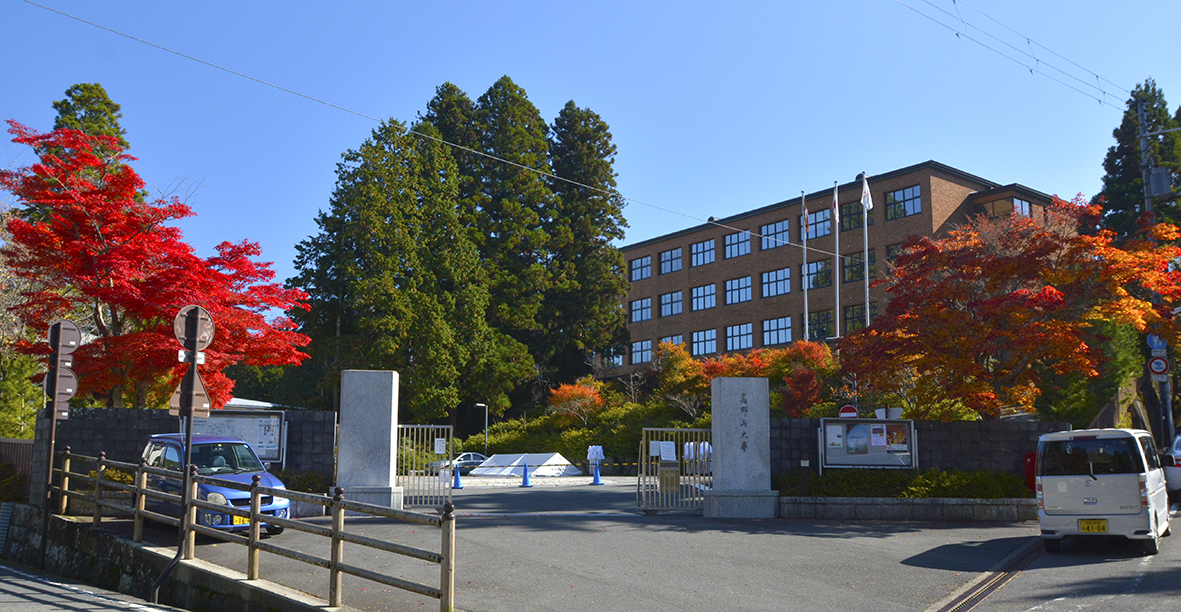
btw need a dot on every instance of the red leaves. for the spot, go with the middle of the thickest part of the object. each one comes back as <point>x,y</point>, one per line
<point>109,260</point>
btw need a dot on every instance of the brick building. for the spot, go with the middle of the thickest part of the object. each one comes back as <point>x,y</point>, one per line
<point>737,283</point>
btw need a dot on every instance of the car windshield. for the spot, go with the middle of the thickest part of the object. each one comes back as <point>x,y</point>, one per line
<point>1089,457</point>
<point>225,458</point>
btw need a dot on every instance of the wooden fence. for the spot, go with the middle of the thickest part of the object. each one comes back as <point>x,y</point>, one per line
<point>337,506</point>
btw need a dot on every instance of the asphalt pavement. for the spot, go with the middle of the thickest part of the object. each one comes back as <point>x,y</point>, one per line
<point>28,590</point>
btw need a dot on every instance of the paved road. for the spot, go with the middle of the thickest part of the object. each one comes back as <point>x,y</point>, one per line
<point>27,590</point>
<point>588,548</point>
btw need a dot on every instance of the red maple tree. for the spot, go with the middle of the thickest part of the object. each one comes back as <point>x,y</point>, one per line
<point>972,314</point>
<point>106,258</point>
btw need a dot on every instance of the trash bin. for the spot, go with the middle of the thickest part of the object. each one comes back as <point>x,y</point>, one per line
<point>1031,470</point>
<point>669,481</point>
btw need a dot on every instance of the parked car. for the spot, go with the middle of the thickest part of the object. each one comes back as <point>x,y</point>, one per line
<point>1171,459</point>
<point>1099,482</point>
<point>465,462</point>
<point>220,457</point>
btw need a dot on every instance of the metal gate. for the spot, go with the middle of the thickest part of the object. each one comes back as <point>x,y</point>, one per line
<point>676,469</point>
<point>423,471</point>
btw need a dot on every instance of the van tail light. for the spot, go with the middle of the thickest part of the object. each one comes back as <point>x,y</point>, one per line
<point>1041,502</point>
<point>1143,491</point>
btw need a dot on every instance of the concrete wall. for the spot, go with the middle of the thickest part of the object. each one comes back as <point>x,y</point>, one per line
<point>994,446</point>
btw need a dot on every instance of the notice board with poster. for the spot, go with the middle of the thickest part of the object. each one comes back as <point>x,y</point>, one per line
<point>868,443</point>
<point>264,430</point>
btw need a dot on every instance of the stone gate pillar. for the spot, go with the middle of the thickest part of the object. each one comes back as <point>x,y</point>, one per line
<point>367,453</point>
<point>741,450</point>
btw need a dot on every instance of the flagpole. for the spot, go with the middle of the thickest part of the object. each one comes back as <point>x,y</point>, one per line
<point>836,280</point>
<point>804,236</point>
<point>866,206</point>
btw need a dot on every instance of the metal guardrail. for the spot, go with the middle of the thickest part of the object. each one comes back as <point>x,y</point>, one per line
<point>337,506</point>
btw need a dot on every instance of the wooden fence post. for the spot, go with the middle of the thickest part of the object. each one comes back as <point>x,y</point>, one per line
<point>141,483</point>
<point>62,498</point>
<point>447,566</point>
<point>190,517</point>
<point>335,579</point>
<point>255,507</point>
<point>99,469</point>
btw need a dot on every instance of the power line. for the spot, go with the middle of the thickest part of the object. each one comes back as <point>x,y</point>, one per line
<point>608,192</point>
<point>1031,69</point>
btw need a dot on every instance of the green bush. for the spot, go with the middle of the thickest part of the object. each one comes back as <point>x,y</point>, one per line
<point>306,482</point>
<point>13,487</point>
<point>902,483</point>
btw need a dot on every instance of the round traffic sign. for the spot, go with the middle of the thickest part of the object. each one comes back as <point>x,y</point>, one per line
<point>1156,342</point>
<point>200,332</point>
<point>65,336</point>
<point>1158,365</point>
<point>848,411</point>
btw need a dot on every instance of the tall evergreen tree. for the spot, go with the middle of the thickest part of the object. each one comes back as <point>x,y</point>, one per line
<point>87,108</point>
<point>583,311</point>
<point>453,114</point>
<point>1123,184</point>
<point>396,283</point>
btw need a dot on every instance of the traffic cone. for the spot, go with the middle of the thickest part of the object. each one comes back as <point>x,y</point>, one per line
<point>596,480</point>
<point>525,478</point>
<point>456,484</point>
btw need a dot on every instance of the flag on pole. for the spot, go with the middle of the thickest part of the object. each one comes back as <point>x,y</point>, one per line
<point>804,218</point>
<point>836,209</point>
<point>866,199</point>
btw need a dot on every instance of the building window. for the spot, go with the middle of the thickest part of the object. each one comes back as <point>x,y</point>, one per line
<point>855,316</point>
<point>641,267</point>
<point>775,234</point>
<point>1015,206</point>
<point>670,261</point>
<point>852,268</point>
<point>704,297</point>
<point>1021,207</point>
<point>776,331</point>
<point>852,214</point>
<point>776,282</point>
<point>739,337</point>
<point>641,310</point>
<point>705,342</point>
<point>820,325</point>
<point>702,253</point>
<point>819,224</point>
<point>893,251</point>
<point>738,290</point>
<point>818,274</point>
<point>641,351</point>
<point>615,361</point>
<point>903,203</point>
<point>670,304</point>
<point>677,339</point>
<point>738,244</point>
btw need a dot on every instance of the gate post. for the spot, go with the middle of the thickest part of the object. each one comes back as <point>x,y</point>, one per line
<point>447,566</point>
<point>335,578</point>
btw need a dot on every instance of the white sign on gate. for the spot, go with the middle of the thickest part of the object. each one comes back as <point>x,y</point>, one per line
<point>440,446</point>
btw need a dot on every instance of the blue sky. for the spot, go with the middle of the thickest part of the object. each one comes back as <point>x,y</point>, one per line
<point>716,108</point>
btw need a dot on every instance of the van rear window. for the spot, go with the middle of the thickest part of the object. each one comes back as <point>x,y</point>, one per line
<point>1083,457</point>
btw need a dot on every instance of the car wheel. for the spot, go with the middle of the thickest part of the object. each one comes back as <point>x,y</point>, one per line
<point>274,530</point>
<point>1052,546</point>
<point>1152,545</point>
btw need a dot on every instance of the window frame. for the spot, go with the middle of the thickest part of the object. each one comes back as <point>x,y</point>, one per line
<point>782,279</point>
<point>809,277</point>
<point>641,268</point>
<point>709,293</point>
<point>705,255</point>
<point>775,235</point>
<point>737,244</point>
<point>899,203</point>
<point>706,338</point>
<point>740,337</point>
<point>779,330</point>
<point>737,292</point>
<point>675,302</point>
<point>671,263</point>
<point>641,310</point>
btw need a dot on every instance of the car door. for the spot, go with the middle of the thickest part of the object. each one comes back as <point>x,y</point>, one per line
<point>1154,480</point>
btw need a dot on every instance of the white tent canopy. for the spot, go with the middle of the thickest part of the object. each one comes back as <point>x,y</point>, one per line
<point>540,464</point>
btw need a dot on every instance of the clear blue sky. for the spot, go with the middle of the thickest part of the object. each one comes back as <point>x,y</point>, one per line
<point>716,108</point>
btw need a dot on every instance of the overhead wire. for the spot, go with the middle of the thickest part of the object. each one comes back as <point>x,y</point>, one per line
<point>709,221</point>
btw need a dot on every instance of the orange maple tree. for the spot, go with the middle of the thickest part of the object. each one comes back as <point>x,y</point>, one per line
<point>102,255</point>
<point>579,399</point>
<point>975,312</point>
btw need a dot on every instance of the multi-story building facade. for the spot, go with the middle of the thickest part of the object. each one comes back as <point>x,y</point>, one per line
<point>737,283</point>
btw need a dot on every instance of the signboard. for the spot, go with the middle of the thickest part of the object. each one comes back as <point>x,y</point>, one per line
<point>1158,365</point>
<point>872,443</point>
<point>1156,342</point>
<point>440,446</point>
<point>263,430</point>
<point>848,411</point>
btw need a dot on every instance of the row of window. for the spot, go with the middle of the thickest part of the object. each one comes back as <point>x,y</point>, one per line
<point>899,204</point>
<point>741,337</point>
<point>815,274</point>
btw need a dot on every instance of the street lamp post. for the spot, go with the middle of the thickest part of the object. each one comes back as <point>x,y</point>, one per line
<point>485,407</point>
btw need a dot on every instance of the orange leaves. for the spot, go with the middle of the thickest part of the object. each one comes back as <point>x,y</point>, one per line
<point>579,399</point>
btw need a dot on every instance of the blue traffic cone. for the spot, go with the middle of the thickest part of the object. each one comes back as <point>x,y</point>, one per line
<point>456,484</point>
<point>597,480</point>
<point>525,478</point>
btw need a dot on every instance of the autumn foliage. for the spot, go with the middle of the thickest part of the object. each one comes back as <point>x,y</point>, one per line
<point>579,399</point>
<point>107,259</point>
<point>978,314</point>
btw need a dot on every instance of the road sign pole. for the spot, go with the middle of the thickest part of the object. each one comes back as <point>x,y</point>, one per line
<point>64,338</point>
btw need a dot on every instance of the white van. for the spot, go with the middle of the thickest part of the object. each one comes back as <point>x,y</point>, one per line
<point>1097,482</point>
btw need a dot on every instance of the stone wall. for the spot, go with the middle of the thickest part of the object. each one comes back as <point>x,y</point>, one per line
<point>994,446</point>
<point>121,433</point>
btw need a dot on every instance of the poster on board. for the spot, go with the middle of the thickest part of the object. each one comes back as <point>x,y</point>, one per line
<point>860,443</point>
<point>261,429</point>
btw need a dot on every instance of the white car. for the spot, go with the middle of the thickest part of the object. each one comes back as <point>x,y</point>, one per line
<point>1172,463</point>
<point>466,462</point>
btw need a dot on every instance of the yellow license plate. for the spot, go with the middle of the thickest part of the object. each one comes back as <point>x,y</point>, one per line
<point>241,520</point>
<point>1092,525</point>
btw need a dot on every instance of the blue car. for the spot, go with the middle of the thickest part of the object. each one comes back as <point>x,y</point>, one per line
<point>218,457</point>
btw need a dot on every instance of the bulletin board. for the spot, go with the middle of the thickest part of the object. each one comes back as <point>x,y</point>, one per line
<point>868,443</point>
<point>263,430</point>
